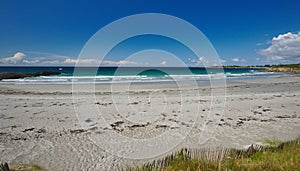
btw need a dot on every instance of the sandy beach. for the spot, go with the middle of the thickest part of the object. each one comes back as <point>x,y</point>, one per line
<point>39,124</point>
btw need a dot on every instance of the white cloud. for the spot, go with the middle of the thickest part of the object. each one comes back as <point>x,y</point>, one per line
<point>34,58</point>
<point>202,60</point>
<point>40,58</point>
<point>283,48</point>
<point>16,58</point>
<point>51,62</point>
<point>222,61</point>
<point>34,61</point>
<point>70,61</point>
<point>238,60</point>
<point>122,62</point>
<point>163,63</point>
<point>206,62</point>
<point>243,60</point>
<point>126,63</point>
<point>81,61</point>
<point>192,60</point>
<point>96,61</point>
<point>235,59</point>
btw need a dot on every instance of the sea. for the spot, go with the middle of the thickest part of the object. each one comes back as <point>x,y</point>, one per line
<point>102,75</point>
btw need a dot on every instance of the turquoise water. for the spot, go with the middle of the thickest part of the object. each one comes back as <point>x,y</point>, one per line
<point>125,74</point>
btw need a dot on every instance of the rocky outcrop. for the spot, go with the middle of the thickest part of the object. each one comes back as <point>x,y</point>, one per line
<point>283,69</point>
<point>19,75</point>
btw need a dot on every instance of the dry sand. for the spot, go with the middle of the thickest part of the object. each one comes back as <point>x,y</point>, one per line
<point>38,123</point>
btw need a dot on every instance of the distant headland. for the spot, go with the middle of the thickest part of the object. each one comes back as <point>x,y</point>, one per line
<point>292,68</point>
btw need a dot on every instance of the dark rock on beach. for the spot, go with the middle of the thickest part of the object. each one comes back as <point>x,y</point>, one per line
<point>6,75</point>
<point>4,167</point>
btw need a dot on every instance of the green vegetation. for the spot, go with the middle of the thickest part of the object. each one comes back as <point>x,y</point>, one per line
<point>25,167</point>
<point>275,156</point>
<point>286,66</point>
<point>293,68</point>
<point>272,142</point>
<point>279,156</point>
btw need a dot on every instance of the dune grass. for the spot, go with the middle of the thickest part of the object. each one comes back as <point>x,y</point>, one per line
<point>25,167</point>
<point>276,156</point>
<point>272,142</point>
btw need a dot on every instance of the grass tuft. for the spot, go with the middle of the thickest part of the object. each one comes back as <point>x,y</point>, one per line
<point>272,142</point>
<point>277,156</point>
<point>25,167</point>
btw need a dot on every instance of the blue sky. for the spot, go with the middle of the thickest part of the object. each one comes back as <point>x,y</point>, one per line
<point>242,32</point>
